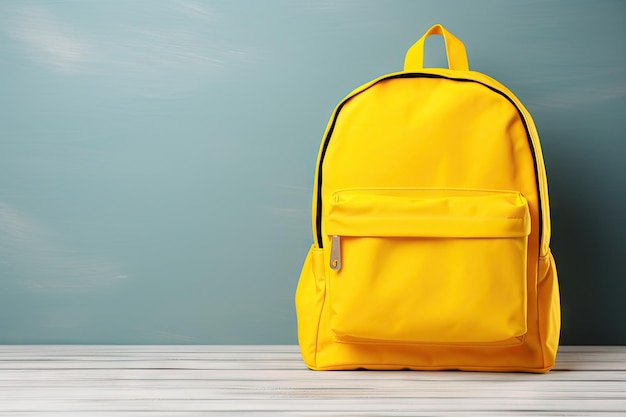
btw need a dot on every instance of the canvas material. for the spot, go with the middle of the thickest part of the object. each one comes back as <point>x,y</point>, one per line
<point>431,228</point>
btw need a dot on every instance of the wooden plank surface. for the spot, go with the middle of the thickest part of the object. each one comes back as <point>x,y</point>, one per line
<point>272,380</point>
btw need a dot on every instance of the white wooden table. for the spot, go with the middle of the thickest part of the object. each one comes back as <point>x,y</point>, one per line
<point>187,381</point>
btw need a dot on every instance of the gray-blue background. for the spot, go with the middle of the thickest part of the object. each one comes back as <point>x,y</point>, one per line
<point>157,157</point>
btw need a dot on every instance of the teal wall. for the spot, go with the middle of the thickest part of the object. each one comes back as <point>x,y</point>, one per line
<point>157,157</point>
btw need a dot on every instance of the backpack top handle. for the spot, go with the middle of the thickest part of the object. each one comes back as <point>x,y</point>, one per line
<point>455,51</point>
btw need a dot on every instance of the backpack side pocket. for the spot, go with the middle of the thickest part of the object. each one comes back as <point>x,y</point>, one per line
<point>310,294</point>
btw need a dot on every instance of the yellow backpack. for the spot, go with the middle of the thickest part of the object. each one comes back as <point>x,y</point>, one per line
<point>431,228</point>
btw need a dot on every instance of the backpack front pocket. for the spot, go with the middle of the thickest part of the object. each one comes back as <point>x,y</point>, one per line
<point>427,266</point>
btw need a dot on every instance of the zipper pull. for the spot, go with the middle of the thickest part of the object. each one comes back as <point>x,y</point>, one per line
<point>335,253</point>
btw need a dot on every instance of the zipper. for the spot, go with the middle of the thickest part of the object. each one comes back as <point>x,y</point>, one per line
<point>335,253</point>
<point>522,115</point>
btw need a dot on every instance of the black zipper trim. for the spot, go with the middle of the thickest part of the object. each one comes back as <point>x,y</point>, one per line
<point>318,211</point>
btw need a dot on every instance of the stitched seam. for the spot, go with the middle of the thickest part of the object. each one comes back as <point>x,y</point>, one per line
<point>319,317</point>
